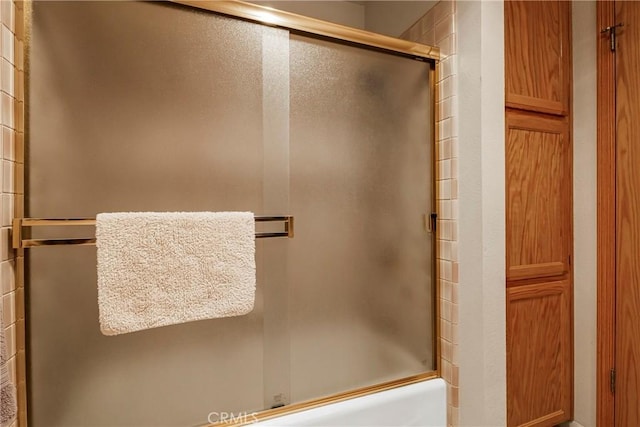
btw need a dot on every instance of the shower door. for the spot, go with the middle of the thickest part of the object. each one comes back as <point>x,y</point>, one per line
<point>140,106</point>
<point>360,299</point>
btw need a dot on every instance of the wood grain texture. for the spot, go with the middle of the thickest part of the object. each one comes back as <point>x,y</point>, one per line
<point>546,269</point>
<point>605,216</point>
<point>538,196</point>
<point>539,354</point>
<point>538,55</point>
<point>627,352</point>
<point>539,205</point>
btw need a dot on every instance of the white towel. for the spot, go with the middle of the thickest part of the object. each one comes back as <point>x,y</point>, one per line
<point>157,269</point>
<point>7,390</point>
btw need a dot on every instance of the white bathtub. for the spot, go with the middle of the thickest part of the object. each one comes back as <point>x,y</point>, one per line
<point>420,404</point>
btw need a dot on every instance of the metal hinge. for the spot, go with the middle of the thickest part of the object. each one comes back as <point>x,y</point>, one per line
<point>612,380</point>
<point>612,35</point>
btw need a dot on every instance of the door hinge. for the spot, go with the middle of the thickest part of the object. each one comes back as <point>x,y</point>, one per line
<point>612,380</point>
<point>569,259</point>
<point>612,35</point>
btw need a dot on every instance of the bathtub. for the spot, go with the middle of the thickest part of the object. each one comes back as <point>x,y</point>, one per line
<point>419,404</point>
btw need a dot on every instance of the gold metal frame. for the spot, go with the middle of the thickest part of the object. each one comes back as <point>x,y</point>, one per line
<point>21,299</point>
<point>278,18</point>
<point>310,26</point>
<point>315,403</point>
<point>435,94</point>
<point>19,242</point>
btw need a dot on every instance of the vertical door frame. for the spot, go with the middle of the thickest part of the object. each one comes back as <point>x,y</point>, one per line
<point>606,213</point>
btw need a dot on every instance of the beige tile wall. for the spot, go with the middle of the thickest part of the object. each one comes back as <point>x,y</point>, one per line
<point>437,28</point>
<point>12,188</point>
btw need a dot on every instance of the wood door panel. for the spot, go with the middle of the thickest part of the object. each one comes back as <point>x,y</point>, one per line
<point>539,354</point>
<point>627,353</point>
<point>538,196</point>
<point>539,210</point>
<point>606,213</point>
<point>537,55</point>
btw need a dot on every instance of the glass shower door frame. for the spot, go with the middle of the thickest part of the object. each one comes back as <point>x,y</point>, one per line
<point>339,33</point>
<point>291,21</point>
<point>313,27</point>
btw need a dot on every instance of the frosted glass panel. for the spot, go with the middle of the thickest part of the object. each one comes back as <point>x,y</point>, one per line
<point>139,107</point>
<point>360,266</point>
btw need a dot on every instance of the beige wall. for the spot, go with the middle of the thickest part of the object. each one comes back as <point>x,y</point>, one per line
<point>584,206</point>
<point>482,334</point>
<point>394,17</point>
<point>12,151</point>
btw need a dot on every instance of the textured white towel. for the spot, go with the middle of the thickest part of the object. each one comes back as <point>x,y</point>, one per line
<point>7,390</point>
<point>157,269</point>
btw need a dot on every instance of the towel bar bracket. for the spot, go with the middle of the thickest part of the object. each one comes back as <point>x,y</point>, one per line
<point>288,226</point>
<point>20,243</point>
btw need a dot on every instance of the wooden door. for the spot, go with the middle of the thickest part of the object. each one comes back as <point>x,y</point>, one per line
<point>539,212</point>
<point>627,347</point>
<point>539,310</point>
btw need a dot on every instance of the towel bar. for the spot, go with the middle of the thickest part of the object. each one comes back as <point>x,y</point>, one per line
<point>20,243</point>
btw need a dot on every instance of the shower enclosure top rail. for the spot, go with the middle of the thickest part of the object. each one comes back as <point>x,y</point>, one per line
<point>279,18</point>
<point>20,243</point>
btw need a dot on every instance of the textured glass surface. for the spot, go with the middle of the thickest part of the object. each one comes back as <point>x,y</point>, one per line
<point>156,107</point>
<point>139,107</point>
<point>360,266</point>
